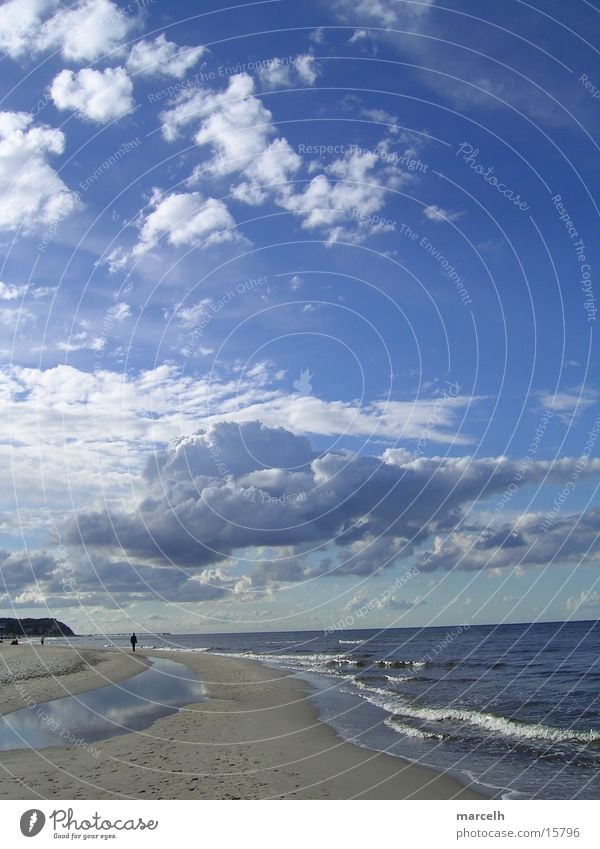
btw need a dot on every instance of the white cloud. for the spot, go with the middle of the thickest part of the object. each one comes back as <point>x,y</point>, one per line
<point>17,291</point>
<point>358,35</point>
<point>82,341</point>
<point>219,484</point>
<point>15,316</point>
<point>20,22</point>
<point>99,96</point>
<point>120,312</point>
<point>570,402</point>
<point>186,219</point>
<point>438,213</point>
<point>238,128</point>
<point>159,404</point>
<point>307,68</point>
<point>278,74</point>
<point>530,540</point>
<point>83,31</point>
<point>31,192</point>
<point>588,599</point>
<point>162,58</point>
<point>386,13</point>
<point>346,205</point>
<point>234,123</point>
<point>344,201</point>
<point>181,218</point>
<point>268,173</point>
<point>191,316</point>
<point>259,490</point>
<point>12,291</point>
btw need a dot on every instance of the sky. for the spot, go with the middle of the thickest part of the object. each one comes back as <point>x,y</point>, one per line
<point>297,313</point>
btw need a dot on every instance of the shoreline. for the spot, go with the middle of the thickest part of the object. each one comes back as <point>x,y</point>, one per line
<point>256,736</point>
<point>43,673</point>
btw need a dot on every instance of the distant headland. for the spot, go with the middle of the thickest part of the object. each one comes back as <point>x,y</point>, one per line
<point>34,628</point>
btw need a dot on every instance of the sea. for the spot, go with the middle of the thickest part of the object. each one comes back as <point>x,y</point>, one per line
<point>512,710</point>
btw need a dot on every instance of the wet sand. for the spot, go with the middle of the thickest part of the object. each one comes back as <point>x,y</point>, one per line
<point>257,736</point>
<point>39,673</point>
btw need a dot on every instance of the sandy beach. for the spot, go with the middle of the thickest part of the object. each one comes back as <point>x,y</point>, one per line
<point>256,736</point>
<point>40,673</point>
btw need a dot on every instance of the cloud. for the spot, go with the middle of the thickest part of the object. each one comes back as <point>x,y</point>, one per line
<point>182,219</point>
<point>438,213</point>
<point>162,58</point>
<point>358,35</point>
<point>12,291</point>
<point>345,200</point>
<point>37,579</point>
<point>393,603</point>
<point>466,80</point>
<point>32,195</point>
<point>584,600</point>
<point>99,96</point>
<point>234,122</point>
<point>83,32</point>
<point>250,489</point>
<point>15,316</point>
<point>18,291</point>
<point>570,402</point>
<point>82,341</point>
<point>384,13</point>
<point>526,542</point>
<point>17,569</point>
<point>19,24</point>
<point>189,317</point>
<point>156,405</point>
<point>270,172</point>
<point>238,128</point>
<point>120,312</point>
<point>240,510</point>
<point>303,70</point>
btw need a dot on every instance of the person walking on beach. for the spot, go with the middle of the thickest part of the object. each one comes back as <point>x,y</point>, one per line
<point>133,641</point>
<point>42,639</point>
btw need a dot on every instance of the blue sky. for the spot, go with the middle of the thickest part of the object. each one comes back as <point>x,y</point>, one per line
<point>297,313</point>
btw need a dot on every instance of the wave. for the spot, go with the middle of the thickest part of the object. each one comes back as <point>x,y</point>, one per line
<point>350,642</point>
<point>315,661</point>
<point>179,648</point>
<point>499,724</point>
<point>411,731</point>
<point>401,711</point>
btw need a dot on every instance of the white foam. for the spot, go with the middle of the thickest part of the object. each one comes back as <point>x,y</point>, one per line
<point>500,724</point>
<point>178,648</point>
<point>383,698</point>
<point>410,731</point>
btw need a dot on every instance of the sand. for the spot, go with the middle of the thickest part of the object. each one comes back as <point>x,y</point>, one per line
<point>40,673</point>
<point>257,736</point>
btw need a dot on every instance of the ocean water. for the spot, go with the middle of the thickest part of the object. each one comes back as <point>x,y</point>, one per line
<point>513,708</point>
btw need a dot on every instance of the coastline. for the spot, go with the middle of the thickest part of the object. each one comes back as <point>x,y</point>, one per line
<point>42,673</point>
<point>256,736</point>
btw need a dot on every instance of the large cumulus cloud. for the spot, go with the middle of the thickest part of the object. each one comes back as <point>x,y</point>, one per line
<point>264,494</point>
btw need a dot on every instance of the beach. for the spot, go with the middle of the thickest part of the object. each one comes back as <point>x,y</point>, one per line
<point>256,736</point>
<point>35,673</point>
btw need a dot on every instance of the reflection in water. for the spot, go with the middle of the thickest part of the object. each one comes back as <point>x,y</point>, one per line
<point>115,709</point>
